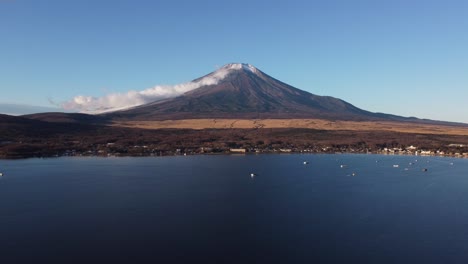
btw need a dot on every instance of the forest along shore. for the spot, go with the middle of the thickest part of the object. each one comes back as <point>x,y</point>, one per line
<point>122,141</point>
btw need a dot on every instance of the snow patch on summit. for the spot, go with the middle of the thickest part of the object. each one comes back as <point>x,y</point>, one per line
<point>241,66</point>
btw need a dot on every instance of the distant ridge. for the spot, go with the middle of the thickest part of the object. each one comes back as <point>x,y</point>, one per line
<point>58,117</point>
<point>19,126</point>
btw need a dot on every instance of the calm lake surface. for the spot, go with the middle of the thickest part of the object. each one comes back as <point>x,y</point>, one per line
<point>208,209</point>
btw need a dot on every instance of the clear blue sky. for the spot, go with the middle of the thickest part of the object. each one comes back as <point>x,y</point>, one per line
<point>402,57</point>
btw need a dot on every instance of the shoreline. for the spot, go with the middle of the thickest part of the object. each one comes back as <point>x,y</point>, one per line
<point>226,153</point>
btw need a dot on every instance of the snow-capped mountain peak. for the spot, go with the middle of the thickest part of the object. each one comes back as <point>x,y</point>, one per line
<point>240,66</point>
<point>221,73</point>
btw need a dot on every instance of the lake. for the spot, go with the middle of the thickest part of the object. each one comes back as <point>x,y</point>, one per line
<point>208,209</point>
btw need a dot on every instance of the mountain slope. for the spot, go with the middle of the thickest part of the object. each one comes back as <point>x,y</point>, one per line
<point>241,91</point>
<point>246,92</point>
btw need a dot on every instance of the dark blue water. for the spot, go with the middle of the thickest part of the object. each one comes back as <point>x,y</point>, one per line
<point>208,209</point>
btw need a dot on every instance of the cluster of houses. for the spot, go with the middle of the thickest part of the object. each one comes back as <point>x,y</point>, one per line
<point>412,150</point>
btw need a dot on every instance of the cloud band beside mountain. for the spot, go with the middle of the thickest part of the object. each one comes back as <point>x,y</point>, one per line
<point>118,101</point>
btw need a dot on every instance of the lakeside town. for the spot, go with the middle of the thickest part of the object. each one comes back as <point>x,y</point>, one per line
<point>119,150</point>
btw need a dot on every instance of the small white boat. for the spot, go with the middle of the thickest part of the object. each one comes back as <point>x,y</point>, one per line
<point>1,174</point>
<point>306,162</point>
<point>342,166</point>
<point>252,175</point>
<point>396,166</point>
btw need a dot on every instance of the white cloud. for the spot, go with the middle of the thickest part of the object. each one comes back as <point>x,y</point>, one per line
<point>118,101</point>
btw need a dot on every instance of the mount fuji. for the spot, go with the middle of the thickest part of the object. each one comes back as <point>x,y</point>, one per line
<point>242,91</point>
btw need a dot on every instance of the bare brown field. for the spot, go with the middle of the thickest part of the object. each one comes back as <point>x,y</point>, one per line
<point>318,124</point>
